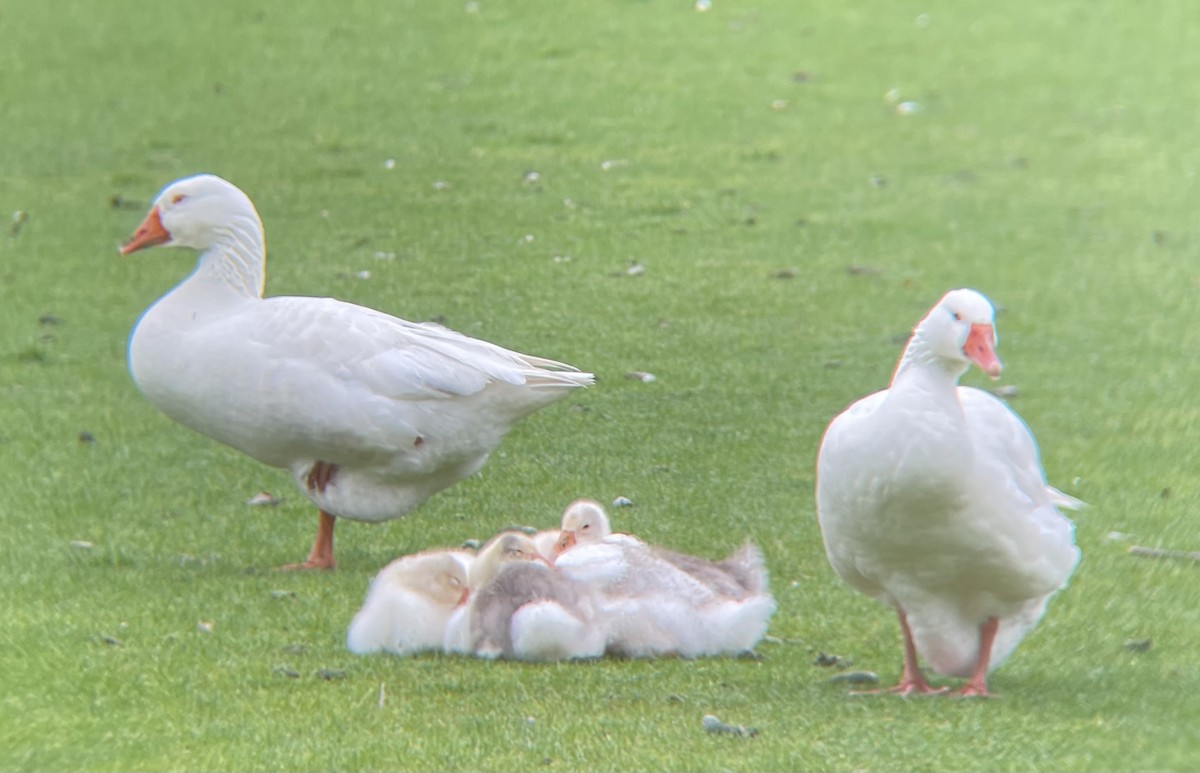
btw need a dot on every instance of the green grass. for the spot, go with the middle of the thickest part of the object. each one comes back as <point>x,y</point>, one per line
<point>1051,164</point>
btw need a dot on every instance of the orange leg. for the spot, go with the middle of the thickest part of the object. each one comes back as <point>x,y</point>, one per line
<point>976,686</point>
<point>911,679</point>
<point>321,555</point>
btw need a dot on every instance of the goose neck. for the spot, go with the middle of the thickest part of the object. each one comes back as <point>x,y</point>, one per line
<point>237,258</point>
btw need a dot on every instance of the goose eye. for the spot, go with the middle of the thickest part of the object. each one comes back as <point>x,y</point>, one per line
<point>178,197</point>
<point>957,316</point>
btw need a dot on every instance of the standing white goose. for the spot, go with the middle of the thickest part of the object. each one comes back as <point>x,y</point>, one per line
<point>371,414</point>
<point>932,499</point>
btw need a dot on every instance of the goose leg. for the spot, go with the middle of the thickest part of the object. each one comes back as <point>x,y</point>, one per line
<point>976,686</point>
<point>911,679</point>
<point>321,555</point>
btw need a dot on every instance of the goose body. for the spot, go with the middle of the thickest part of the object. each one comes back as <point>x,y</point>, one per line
<point>662,602</point>
<point>522,608</point>
<point>370,414</point>
<point>931,498</point>
<point>410,603</point>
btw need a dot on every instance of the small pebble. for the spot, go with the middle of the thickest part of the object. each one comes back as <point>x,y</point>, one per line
<point>204,626</point>
<point>826,661</point>
<point>907,108</point>
<point>389,164</point>
<point>622,502</point>
<point>641,375</point>
<point>19,219</point>
<point>263,499</point>
<point>856,677</point>
<point>715,726</point>
<point>81,544</point>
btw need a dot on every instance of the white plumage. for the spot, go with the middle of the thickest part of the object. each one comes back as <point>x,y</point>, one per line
<point>409,603</point>
<point>931,498</point>
<point>522,608</point>
<point>371,414</point>
<point>661,602</point>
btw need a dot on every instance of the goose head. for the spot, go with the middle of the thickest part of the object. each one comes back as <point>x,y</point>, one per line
<point>442,578</point>
<point>583,522</point>
<point>195,212</point>
<point>959,331</point>
<point>504,547</point>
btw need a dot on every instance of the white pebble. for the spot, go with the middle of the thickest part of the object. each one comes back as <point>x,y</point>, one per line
<point>907,108</point>
<point>622,502</point>
<point>389,164</point>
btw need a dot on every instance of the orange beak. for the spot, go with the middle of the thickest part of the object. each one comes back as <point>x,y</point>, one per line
<point>565,540</point>
<point>980,349</point>
<point>148,234</point>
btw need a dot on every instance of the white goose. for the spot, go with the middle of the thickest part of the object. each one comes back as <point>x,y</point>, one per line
<point>931,498</point>
<point>409,603</point>
<point>371,414</point>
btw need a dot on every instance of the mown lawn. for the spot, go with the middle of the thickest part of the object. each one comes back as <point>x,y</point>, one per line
<point>791,221</point>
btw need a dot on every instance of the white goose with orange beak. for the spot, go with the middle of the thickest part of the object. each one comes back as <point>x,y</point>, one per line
<point>371,414</point>
<point>932,499</point>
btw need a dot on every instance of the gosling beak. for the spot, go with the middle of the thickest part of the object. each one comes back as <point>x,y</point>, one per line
<point>148,234</point>
<point>565,540</point>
